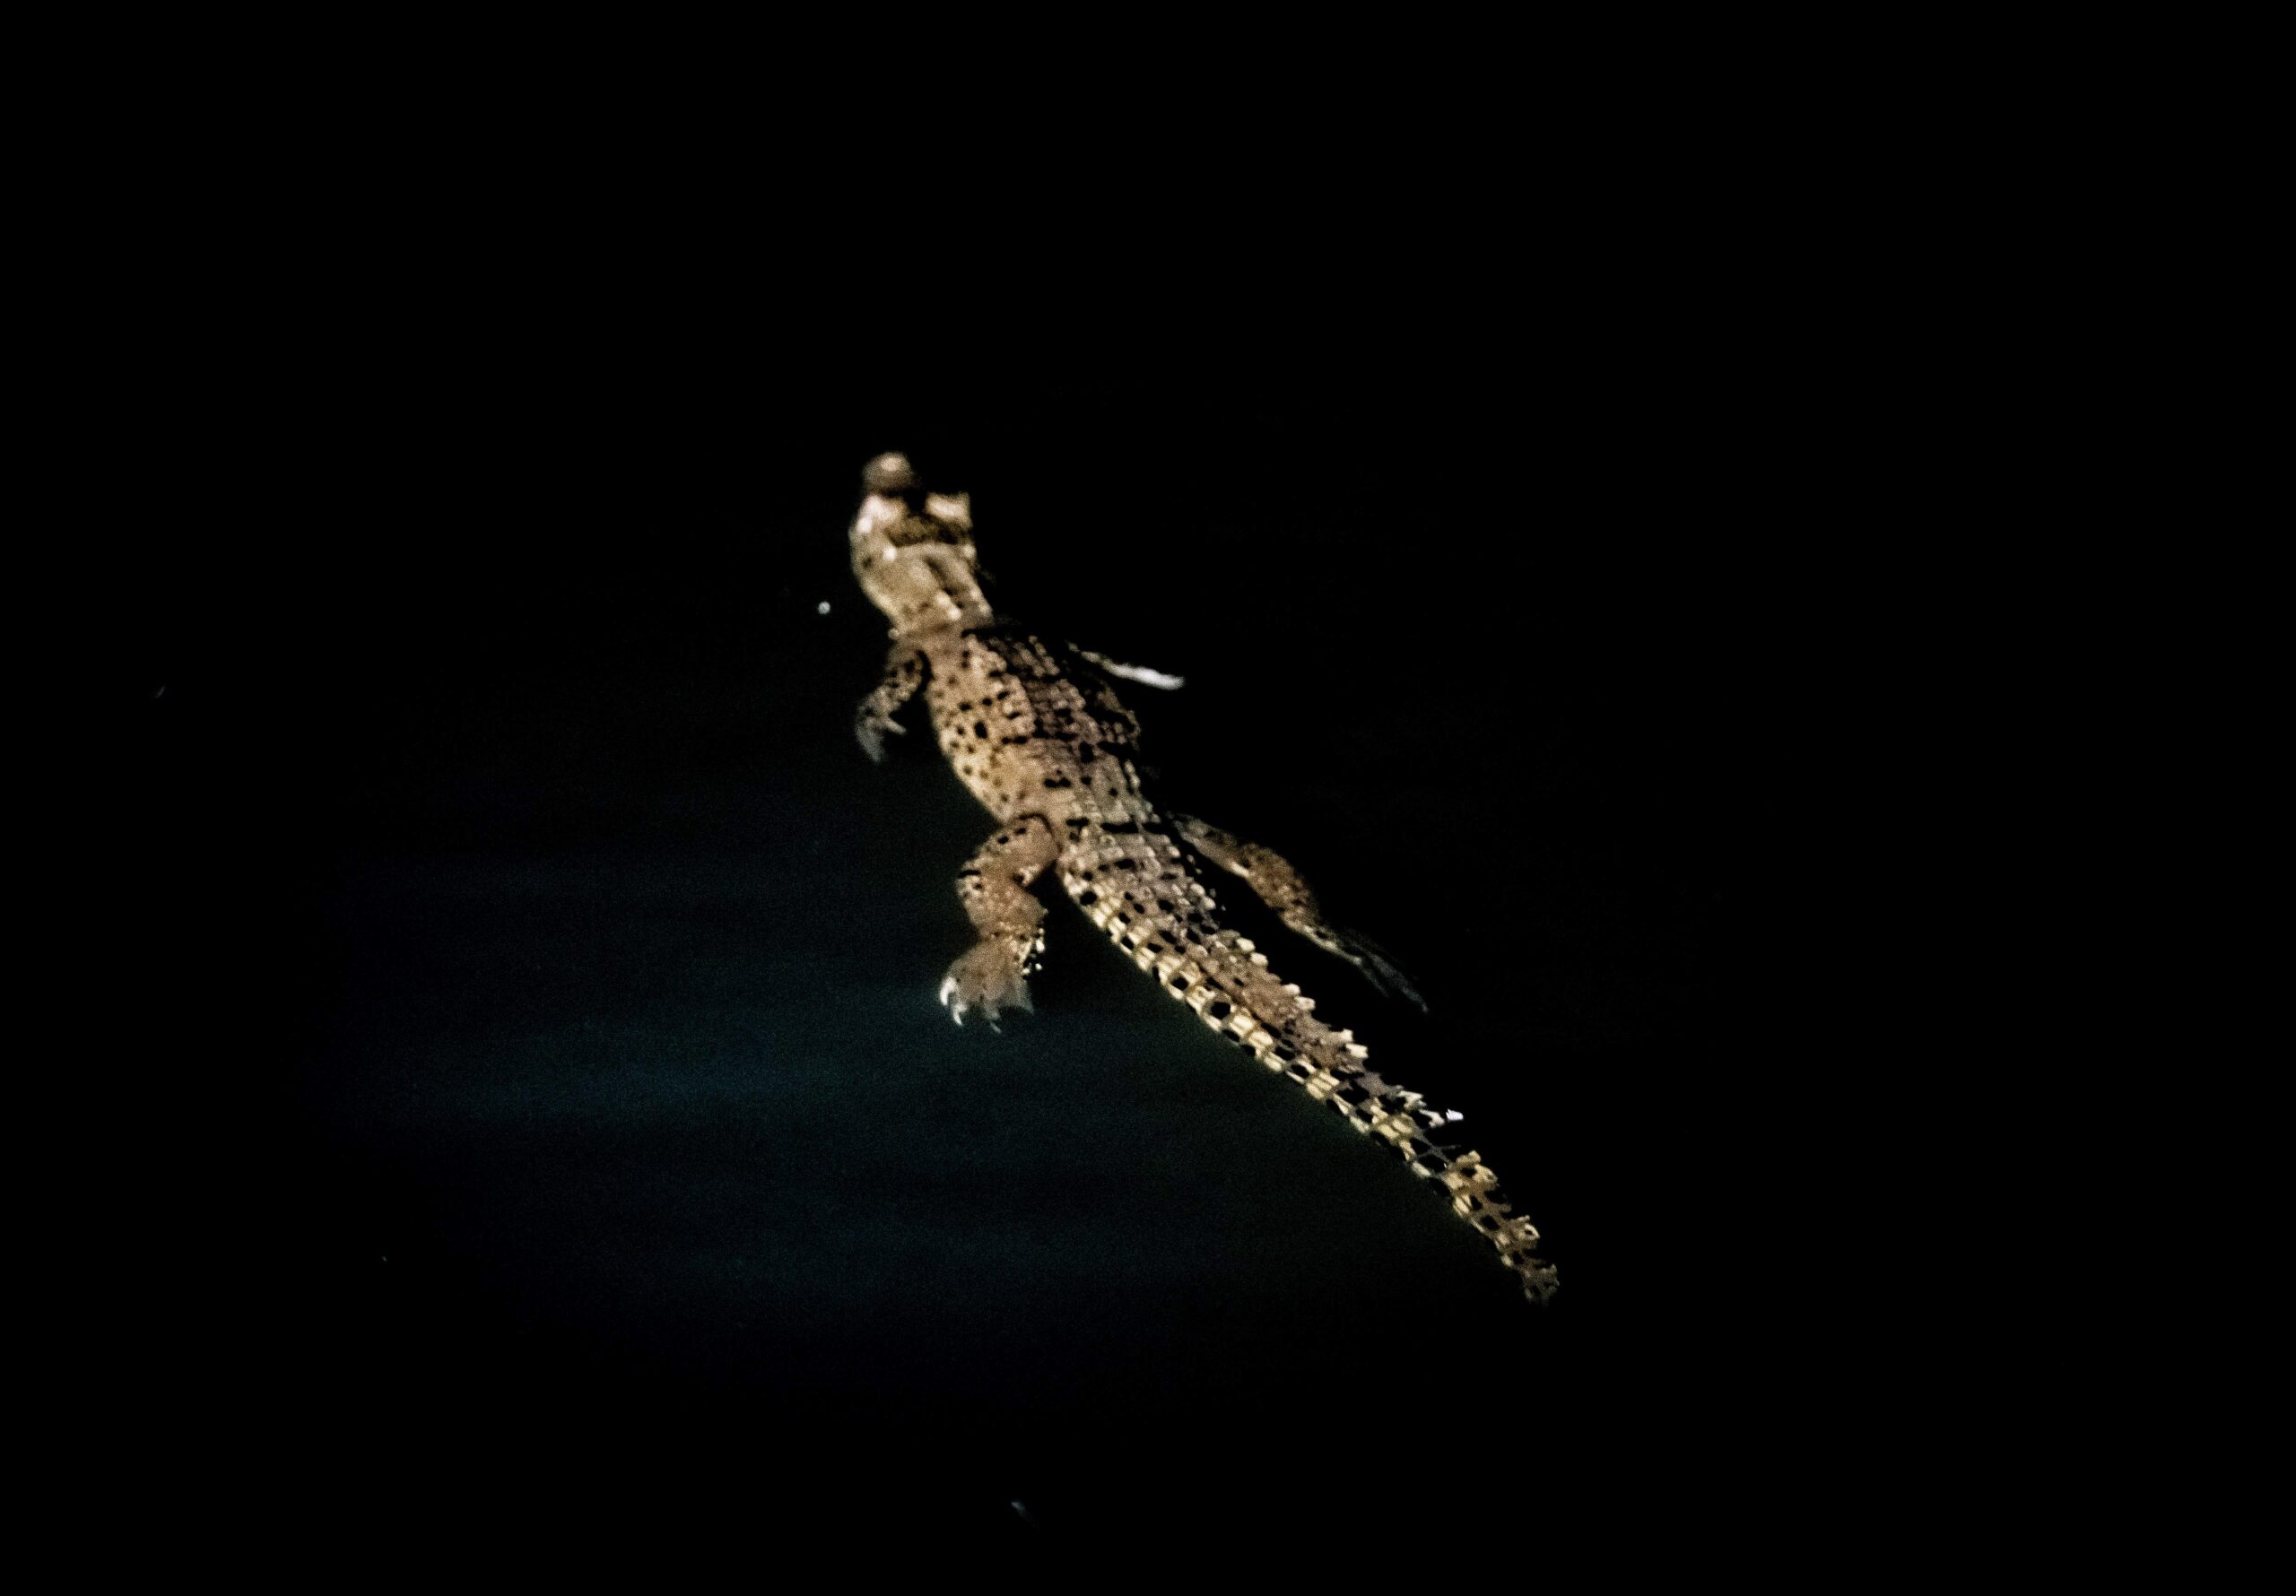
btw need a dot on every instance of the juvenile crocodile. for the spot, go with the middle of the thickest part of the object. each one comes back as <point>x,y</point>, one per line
<point>1034,728</point>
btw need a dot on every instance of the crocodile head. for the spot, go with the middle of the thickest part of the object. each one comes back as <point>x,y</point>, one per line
<point>913,551</point>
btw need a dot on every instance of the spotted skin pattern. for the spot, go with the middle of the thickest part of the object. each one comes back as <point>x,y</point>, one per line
<point>1034,728</point>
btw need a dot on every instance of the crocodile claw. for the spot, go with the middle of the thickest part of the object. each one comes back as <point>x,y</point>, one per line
<point>870,732</point>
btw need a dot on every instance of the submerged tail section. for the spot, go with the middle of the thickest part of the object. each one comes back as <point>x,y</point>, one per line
<point>1138,886</point>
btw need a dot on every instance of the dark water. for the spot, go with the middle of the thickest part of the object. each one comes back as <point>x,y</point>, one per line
<point>577,1155</point>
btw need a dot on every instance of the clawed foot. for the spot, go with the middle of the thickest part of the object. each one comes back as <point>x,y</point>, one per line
<point>989,978</point>
<point>869,730</point>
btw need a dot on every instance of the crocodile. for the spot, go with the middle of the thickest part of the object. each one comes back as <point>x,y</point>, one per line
<point>1034,728</point>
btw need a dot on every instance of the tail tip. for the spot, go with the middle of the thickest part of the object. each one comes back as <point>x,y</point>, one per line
<point>1539,1281</point>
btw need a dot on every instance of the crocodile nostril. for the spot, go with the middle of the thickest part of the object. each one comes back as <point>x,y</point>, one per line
<point>888,474</point>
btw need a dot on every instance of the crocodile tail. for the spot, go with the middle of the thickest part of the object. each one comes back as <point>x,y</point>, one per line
<point>1158,911</point>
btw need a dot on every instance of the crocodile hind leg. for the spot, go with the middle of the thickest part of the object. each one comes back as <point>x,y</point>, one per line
<point>1285,890</point>
<point>993,888</point>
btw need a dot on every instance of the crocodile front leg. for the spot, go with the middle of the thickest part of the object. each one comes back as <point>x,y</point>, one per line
<point>904,675</point>
<point>1285,890</point>
<point>993,888</point>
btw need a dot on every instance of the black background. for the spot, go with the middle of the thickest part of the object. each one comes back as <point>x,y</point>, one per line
<point>541,1122</point>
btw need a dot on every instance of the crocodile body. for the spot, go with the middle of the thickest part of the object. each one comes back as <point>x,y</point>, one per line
<point>1034,728</point>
